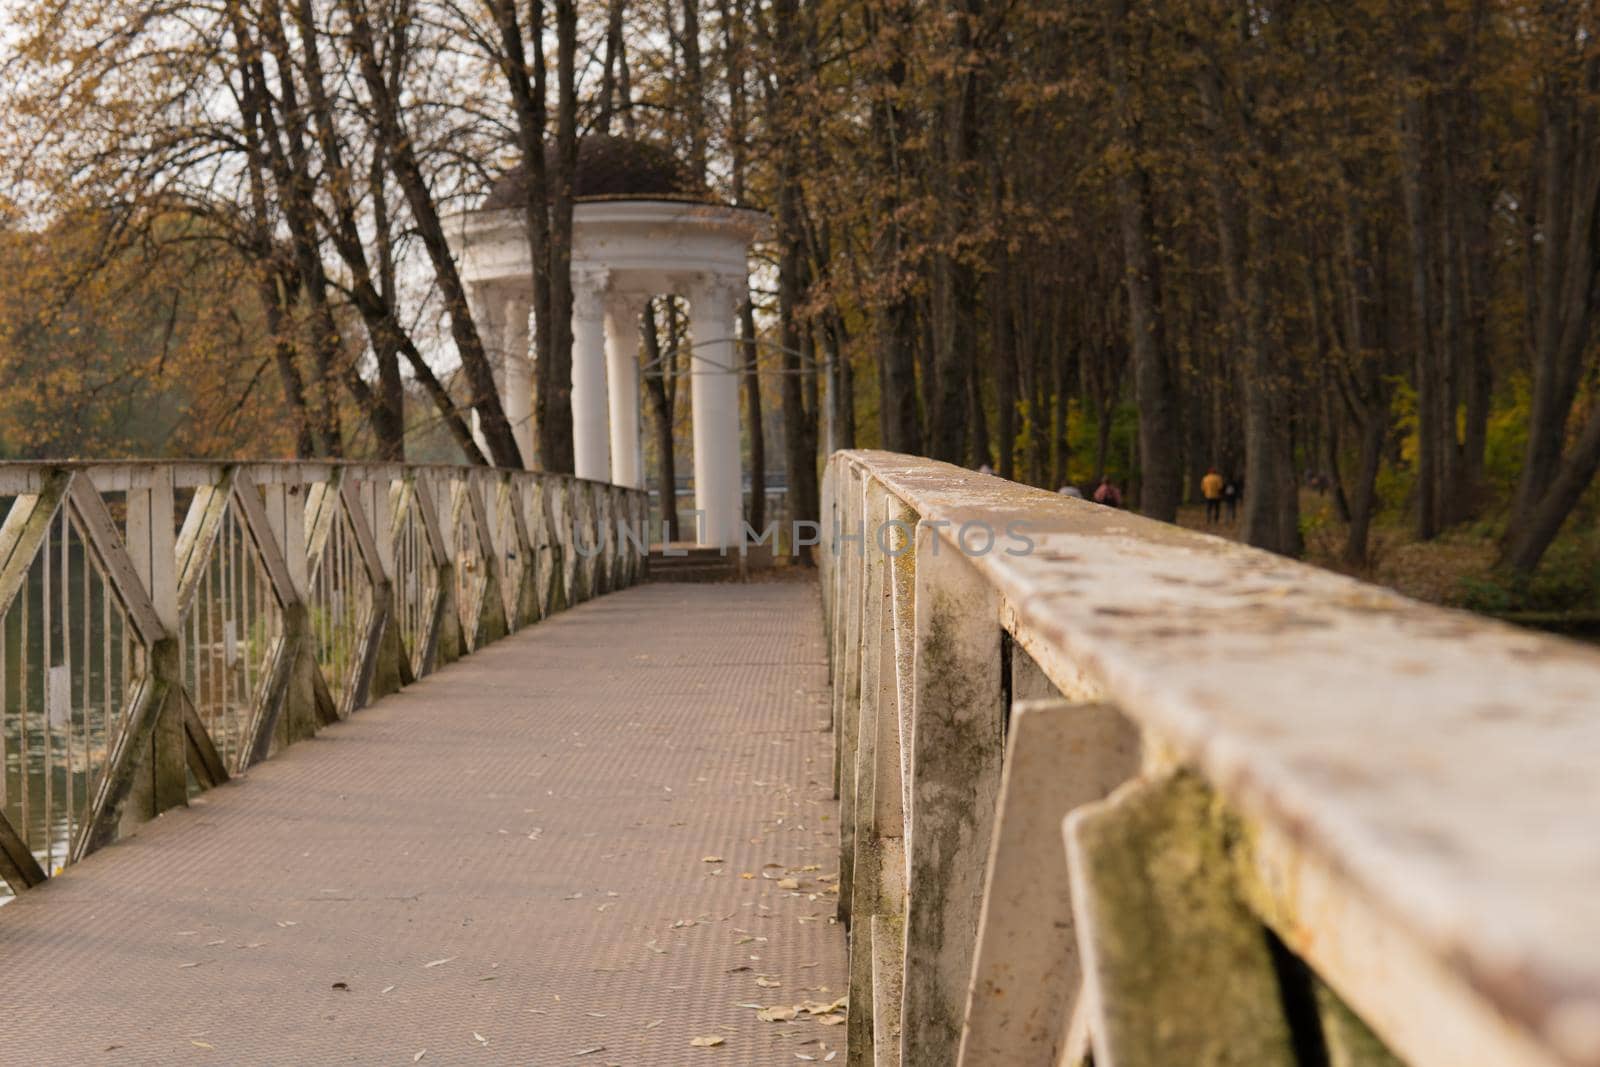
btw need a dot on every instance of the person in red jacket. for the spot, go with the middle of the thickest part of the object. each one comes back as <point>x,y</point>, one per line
<point>1107,493</point>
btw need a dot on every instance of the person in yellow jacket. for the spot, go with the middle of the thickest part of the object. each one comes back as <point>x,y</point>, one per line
<point>1211,489</point>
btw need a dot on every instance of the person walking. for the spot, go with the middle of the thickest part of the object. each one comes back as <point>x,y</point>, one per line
<point>1231,492</point>
<point>1211,489</point>
<point>1107,493</point>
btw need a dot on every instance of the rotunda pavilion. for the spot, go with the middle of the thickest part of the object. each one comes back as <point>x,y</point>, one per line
<point>640,230</point>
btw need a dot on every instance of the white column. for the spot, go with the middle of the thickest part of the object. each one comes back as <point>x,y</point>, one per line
<point>516,381</point>
<point>714,388</point>
<point>622,385</point>
<point>591,447</point>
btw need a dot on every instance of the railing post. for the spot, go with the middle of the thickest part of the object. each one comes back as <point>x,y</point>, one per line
<point>858,875</point>
<point>957,710</point>
<point>539,567</point>
<point>523,601</point>
<point>610,510</point>
<point>827,512</point>
<point>297,716</point>
<point>381,653</point>
<point>564,561</point>
<point>1177,969</point>
<point>878,890</point>
<point>491,608</point>
<point>1026,975</point>
<point>393,669</point>
<point>437,507</point>
<point>847,654</point>
<point>580,528</point>
<point>161,779</point>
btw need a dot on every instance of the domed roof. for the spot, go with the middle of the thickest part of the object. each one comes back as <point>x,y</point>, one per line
<point>607,167</point>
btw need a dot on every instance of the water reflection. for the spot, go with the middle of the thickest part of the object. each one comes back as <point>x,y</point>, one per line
<point>66,664</point>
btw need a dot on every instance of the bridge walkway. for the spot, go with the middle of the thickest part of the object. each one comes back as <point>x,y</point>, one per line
<point>509,862</point>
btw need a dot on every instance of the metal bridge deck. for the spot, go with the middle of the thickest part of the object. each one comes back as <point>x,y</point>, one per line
<point>504,863</point>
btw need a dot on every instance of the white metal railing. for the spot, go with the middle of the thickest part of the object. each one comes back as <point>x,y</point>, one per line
<point>1115,790</point>
<point>163,626</point>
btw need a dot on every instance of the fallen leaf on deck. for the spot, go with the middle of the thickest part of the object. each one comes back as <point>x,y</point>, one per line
<point>817,1007</point>
<point>789,883</point>
<point>479,1038</point>
<point>201,1044</point>
<point>778,1013</point>
<point>438,963</point>
<point>768,983</point>
<point>419,1056</point>
<point>830,1020</point>
<point>589,1051</point>
<point>710,859</point>
<point>705,1042</point>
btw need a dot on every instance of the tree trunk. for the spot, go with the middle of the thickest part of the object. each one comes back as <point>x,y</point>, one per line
<point>401,151</point>
<point>661,408</point>
<point>1002,355</point>
<point>558,437</point>
<point>895,317</point>
<point>738,102</point>
<point>1161,482</point>
<point>799,424</point>
<point>752,417</point>
<point>692,85</point>
<point>526,82</point>
<point>1534,534</point>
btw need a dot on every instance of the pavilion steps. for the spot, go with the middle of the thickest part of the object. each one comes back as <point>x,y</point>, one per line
<point>695,563</point>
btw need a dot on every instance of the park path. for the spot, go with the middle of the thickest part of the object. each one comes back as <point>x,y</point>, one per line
<point>509,862</point>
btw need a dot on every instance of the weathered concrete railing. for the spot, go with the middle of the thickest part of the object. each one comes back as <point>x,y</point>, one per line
<point>165,625</point>
<point>1306,820</point>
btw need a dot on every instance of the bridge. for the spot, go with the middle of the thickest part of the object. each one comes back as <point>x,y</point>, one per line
<point>371,763</point>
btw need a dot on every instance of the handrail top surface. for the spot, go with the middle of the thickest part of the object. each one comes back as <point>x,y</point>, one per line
<point>27,475</point>
<point>1441,761</point>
